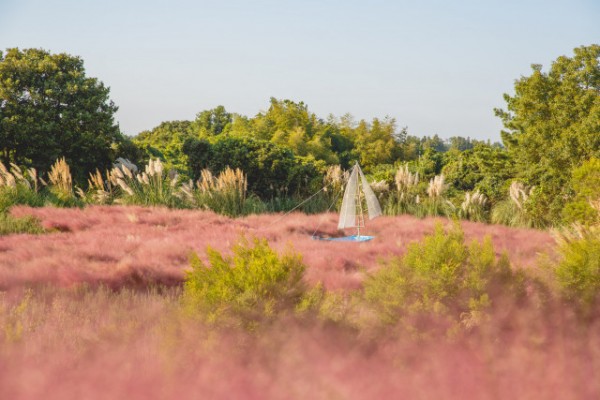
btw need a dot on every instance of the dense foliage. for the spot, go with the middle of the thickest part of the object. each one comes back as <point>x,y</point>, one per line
<point>49,109</point>
<point>553,126</point>
<point>255,283</point>
<point>544,175</point>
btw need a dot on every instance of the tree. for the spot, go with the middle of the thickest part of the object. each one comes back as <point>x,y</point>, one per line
<point>213,122</point>
<point>375,143</point>
<point>553,125</point>
<point>49,108</point>
<point>486,168</point>
<point>166,142</point>
<point>271,170</point>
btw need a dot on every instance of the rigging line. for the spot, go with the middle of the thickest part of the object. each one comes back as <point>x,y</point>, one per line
<point>285,215</point>
<point>329,209</point>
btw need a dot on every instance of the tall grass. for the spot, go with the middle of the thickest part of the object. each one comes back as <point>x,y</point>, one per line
<point>98,343</point>
<point>513,210</point>
<point>60,185</point>
<point>19,187</point>
<point>152,187</point>
<point>225,193</point>
<point>473,207</point>
<point>436,202</point>
<point>405,199</point>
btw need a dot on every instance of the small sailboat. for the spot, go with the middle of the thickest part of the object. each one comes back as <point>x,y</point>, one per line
<point>357,197</point>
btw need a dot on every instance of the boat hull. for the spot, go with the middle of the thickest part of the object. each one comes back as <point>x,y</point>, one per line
<point>354,238</point>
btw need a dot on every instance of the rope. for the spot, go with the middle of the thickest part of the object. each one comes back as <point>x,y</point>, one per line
<point>286,214</point>
<point>329,209</point>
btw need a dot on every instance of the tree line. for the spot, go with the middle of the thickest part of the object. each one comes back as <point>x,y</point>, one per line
<point>550,146</point>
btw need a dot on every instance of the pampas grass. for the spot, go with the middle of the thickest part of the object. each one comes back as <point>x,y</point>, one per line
<point>513,210</point>
<point>152,187</point>
<point>19,186</point>
<point>225,194</point>
<point>405,199</point>
<point>473,207</point>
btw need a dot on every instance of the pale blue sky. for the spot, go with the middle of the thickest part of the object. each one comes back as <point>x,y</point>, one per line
<point>438,67</point>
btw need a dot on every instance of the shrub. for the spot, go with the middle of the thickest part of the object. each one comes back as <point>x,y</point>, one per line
<point>440,276</point>
<point>578,272</point>
<point>27,224</point>
<point>585,181</point>
<point>252,285</point>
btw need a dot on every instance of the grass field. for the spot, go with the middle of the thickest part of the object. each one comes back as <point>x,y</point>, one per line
<point>93,309</point>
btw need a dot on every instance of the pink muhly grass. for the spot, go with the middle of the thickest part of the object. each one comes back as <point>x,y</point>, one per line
<point>100,344</point>
<point>136,246</point>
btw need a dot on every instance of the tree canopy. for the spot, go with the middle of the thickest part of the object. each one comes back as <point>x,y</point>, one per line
<point>49,108</point>
<point>553,124</point>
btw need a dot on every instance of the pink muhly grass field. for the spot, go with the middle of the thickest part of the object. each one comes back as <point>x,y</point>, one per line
<point>135,246</point>
<point>81,343</point>
<point>93,311</point>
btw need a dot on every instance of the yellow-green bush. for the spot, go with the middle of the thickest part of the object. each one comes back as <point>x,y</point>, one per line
<point>578,273</point>
<point>253,284</point>
<point>585,181</point>
<point>440,276</point>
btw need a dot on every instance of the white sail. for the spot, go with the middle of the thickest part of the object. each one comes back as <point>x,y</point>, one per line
<point>373,206</point>
<point>348,216</point>
<point>348,210</point>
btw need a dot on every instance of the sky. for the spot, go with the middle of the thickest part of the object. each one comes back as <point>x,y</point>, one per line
<point>437,67</point>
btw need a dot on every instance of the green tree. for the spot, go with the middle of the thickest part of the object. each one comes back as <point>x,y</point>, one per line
<point>486,168</point>
<point>166,142</point>
<point>375,143</point>
<point>553,124</point>
<point>272,170</point>
<point>49,108</point>
<point>213,122</point>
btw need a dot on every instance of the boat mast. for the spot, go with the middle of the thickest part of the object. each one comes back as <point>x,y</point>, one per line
<point>360,215</point>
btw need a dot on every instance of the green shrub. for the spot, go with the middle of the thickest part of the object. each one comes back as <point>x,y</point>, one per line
<point>21,194</point>
<point>27,224</point>
<point>439,277</point>
<point>252,285</point>
<point>585,181</point>
<point>578,273</point>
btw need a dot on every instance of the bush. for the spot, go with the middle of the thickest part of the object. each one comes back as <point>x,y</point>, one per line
<point>253,285</point>
<point>585,181</point>
<point>28,224</point>
<point>441,276</point>
<point>578,273</point>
